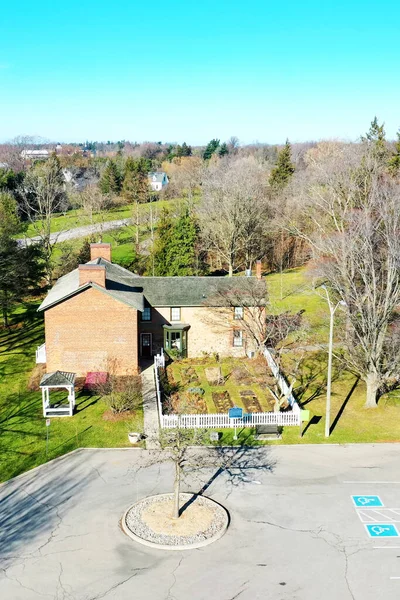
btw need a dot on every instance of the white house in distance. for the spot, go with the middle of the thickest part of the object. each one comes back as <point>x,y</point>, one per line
<point>42,154</point>
<point>158,180</point>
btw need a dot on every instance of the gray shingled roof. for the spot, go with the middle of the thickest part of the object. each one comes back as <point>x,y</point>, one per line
<point>132,289</point>
<point>57,378</point>
<point>158,176</point>
<point>202,291</point>
<point>120,284</point>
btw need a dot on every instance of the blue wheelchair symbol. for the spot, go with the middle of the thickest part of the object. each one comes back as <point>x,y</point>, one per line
<point>382,530</point>
<point>367,501</point>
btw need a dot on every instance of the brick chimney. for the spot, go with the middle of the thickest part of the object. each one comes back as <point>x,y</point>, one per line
<point>100,251</point>
<point>258,269</point>
<point>92,273</point>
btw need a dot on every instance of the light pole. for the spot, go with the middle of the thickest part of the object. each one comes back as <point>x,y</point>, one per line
<point>332,310</point>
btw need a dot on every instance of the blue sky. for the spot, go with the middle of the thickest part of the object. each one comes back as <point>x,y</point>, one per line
<point>192,70</point>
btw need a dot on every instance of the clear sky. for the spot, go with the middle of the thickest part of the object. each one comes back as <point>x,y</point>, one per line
<point>191,70</point>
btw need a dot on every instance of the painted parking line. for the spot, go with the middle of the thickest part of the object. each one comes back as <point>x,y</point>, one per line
<point>382,530</point>
<point>363,501</point>
<point>379,515</point>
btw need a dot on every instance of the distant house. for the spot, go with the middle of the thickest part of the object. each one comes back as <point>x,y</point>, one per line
<point>158,180</point>
<point>100,312</point>
<point>35,154</point>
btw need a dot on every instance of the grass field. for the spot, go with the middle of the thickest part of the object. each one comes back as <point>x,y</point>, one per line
<point>78,218</point>
<point>22,427</point>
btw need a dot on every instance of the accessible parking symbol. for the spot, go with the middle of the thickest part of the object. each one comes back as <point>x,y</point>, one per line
<point>382,530</point>
<point>363,501</point>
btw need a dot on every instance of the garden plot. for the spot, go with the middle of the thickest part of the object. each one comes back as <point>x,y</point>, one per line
<point>250,401</point>
<point>222,401</point>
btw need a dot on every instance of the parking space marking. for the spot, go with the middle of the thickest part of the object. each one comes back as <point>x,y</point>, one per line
<point>369,482</point>
<point>363,501</point>
<point>383,515</point>
<point>382,530</point>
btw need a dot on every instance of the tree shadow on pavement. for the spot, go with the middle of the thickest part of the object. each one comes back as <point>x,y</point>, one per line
<point>238,464</point>
<point>32,506</point>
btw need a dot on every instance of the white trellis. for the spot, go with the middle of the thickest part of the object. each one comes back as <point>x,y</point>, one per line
<point>58,380</point>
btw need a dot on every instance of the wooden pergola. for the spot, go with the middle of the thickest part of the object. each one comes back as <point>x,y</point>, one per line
<point>58,380</point>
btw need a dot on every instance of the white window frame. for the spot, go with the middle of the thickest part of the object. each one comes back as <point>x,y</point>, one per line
<point>238,313</point>
<point>173,317</point>
<point>237,338</point>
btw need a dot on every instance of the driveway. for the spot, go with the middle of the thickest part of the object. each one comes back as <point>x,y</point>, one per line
<point>295,531</point>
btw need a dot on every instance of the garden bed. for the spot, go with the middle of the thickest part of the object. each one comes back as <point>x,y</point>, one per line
<point>222,401</point>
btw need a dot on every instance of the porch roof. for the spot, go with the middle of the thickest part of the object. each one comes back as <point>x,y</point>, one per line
<point>177,327</point>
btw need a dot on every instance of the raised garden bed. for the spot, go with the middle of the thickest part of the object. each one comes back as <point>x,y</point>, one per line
<point>189,403</point>
<point>250,401</point>
<point>222,401</point>
<point>189,375</point>
<point>242,376</point>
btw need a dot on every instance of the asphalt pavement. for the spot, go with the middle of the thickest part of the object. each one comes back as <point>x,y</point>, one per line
<point>302,518</point>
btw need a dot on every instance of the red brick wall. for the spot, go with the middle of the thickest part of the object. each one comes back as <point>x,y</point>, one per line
<point>88,330</point>
<point>100,251</point>
<point>94,273</point>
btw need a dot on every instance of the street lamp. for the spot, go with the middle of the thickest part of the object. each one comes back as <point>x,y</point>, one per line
<point>332,310</point>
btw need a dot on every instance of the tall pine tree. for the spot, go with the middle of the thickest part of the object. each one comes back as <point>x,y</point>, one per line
<point>174,251</point>
<point>111,181</point>
<point>211,148</point>
<point>283,170</point>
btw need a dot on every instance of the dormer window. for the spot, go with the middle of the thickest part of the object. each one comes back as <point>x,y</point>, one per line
<point>238,312</point>
<point>175,313</point>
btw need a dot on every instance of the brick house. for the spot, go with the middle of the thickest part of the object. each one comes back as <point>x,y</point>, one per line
<point>101,312</point>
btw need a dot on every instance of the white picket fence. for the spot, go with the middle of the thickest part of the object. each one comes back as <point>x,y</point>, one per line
<point>222,420</point>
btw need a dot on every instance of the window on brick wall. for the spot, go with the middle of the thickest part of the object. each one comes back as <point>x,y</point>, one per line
<point>237,338</point>
<point>175,313</point>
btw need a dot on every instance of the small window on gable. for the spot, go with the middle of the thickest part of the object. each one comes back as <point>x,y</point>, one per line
<point>175,313</point>
<point>146,314</point>
<point>238,312</point>
<point>237,338</point>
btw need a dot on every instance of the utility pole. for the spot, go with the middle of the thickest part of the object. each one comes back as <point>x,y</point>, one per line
<point>332,310</point>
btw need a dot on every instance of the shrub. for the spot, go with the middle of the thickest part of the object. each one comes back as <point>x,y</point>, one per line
<point>122,394</point>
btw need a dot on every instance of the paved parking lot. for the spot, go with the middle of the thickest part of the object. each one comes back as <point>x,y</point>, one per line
<point>299,529</point>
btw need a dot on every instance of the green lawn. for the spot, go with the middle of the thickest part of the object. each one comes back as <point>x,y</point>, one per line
<point>22,426</point>
<point>299,295</point>
<point>78,218</point>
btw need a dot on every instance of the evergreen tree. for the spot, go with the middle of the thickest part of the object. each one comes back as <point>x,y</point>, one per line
<point>186,150</point>
<point>174,251</point>
<point>162,244</point>
<point>21,270</point>
<point>376,141</point>
<point>394,161</point>
<point>111,181</point>
<point>136,186</point>
<point>284,169</point>
<point>211,148</point>
<point>10,223</point>
<point>223,150</point>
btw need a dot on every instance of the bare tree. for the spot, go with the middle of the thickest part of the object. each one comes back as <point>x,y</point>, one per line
<point>354,232</point>
<point>93,201</point>
<point>234,211</point>
<point>43,195</point>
